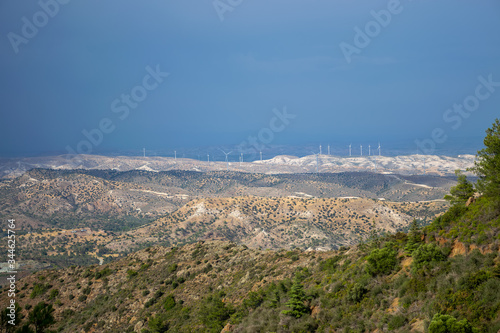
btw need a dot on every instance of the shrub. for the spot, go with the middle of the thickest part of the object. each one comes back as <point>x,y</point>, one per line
<point>451,215</point>
<point>253,300</point>
<point>172,268</point>
<point>473,280</point>
<point>330,264</point>
<point>449,324</point>
<point>105,272</point>
<point>39,289</point>
<point>154,299</point>
<point>382,261</point>
<point>357,293</point>
<point>426,255</point>
<point>54,293</point>
<point>396,322</point>
<point>169,302</point>
<point>214,313</point>
<point>67,313</point>
<point>158,324</point>
<point>131,273</point>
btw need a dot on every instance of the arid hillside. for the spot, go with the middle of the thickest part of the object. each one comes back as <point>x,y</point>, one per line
<point>118,201</point>
<point>282,222</point>
<point>262,223</point>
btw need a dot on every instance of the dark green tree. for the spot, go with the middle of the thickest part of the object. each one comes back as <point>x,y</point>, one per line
<point>460,193</point>
<point>297,300</point>
<point>215,313</point>
<point>426,255</point>
<point>414,237</point>
<point>448,324</point>
<point>382,261</point>
<point>158,324</point>
<point>4,319</point>
<point>41,317</point>
<point>169,302</point>
<point>487,164</point>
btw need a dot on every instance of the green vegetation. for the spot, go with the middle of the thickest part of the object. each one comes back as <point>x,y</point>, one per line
<point>487,165</point>
<point>426,255</point>
<point>296,302</point>
<point>449,324</point>
<point>382,261</point>
<point>462,191</point>
<point>214,313</point>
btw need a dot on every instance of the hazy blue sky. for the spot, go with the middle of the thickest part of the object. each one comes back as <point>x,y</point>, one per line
<point>231,62</point>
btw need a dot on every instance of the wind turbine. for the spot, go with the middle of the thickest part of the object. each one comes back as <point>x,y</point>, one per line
<point>175,155</point>
<point>378,149</point>
<point>328,149</point>
<point>227,161</point>
<point>361,149</point>
<point>241,159</point>
<point>261,156</point>
<point>320,149</point>
<point>144,152</point>
<point>369,150</point>
<point>208,157</point>
<point>349,149</point>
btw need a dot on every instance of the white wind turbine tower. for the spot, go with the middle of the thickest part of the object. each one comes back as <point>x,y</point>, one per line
<point>369,150</point>
<point>241,159</point>
<point>175,155</point>
<point>361,149</point>
<point>208,158</point>
<point>144,152</point>
<point>227,161</point>
<point>320,149</point>
<point>378,149</point>
<point>349,150</point>
<point>261,156</point>
<point>328,150</point>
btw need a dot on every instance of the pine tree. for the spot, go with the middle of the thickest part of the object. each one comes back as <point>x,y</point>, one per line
<point>297,300</point>
<point>460,193</point>
<point>414,236</point>
<point>41,317</point>
<point>487,164</point>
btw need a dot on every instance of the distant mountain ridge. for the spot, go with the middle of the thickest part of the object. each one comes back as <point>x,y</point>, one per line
<point>404,164</point>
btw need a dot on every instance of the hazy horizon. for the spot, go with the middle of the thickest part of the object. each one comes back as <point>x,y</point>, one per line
<point>98,78</point>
